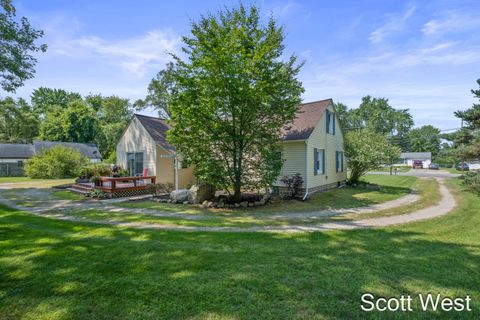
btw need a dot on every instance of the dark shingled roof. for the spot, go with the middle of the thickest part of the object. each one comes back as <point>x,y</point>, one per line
<point>16,151</point>
<point>25,151</point>
<point>416,155</point>
<point>88,150</point>
<point>157,128</point>
<point>306,119</point>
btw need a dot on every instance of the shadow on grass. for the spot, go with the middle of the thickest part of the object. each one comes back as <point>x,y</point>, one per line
<point>79,271</point>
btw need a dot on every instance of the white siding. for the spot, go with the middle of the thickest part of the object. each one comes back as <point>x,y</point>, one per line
<point>137,139</point>
<point>294,159</point>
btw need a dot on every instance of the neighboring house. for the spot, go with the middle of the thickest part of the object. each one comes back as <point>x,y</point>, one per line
<point>143,145</point>
<point>313,147</point>
<point>407,158</point>
<point>14,155</point>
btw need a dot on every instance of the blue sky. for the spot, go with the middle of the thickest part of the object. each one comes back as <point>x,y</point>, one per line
<point>422,55</point>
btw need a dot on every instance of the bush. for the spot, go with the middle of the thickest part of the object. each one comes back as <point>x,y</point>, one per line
<point>294,185</point>
<point>55,163</point>
<point>471,181</point>
<point>95,169</point>
<point>96,194</point>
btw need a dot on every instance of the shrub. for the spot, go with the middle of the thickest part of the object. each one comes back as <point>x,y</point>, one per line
<point>55,163</point>
<point>294,185</point>
<point>96,194</point>
<point>471,181</point>
<point>95,169</point>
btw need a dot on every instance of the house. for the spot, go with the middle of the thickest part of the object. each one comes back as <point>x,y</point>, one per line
<point>407,158</point>
<point>14,155</point>
<point>143,145</point>
<point>313,147</point>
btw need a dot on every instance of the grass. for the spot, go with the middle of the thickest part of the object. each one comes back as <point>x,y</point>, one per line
<point>15,179</point>
<point>67,270</point>
<point>67,195</point>
<point>391,187</point>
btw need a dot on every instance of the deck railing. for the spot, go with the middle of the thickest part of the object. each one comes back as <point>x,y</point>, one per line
<point>111,184</point>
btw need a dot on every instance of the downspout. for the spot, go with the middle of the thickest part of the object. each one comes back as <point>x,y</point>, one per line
<point>175,162</point>
<point>306,171</point>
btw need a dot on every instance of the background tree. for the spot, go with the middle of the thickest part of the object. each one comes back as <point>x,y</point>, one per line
<point>160,91</point>
<point>233,95</point>
<point>17,48</point>
<point>365,150</point>
<point>377,115</point>
<point>45,100</point>
<point>424,139</point>
<point>467,140</point>
<point>18,123</point>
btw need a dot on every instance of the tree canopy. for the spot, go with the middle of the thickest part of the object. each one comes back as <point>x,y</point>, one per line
<point>18,122</point>
<point>233,96</point>
<point>17,48</point>
<point>365,150</point>
<point>424,139</point>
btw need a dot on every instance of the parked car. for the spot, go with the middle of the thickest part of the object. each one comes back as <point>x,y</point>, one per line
<point>417,164</point>
<point>463,167</point>
<point>433,166</point>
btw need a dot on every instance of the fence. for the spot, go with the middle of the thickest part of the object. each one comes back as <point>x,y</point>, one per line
<point>11,169</point>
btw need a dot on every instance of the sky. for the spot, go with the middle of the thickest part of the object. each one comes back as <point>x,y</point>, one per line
<point>421,55</point>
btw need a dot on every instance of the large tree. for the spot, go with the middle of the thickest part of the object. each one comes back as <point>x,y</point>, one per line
<point>233,95</point>
<point>160,91</point>
<point>45,100</point>
<point>467,140</point>
<point>365,150</point>
<point>17,48</point>
<point>424,139</point>
<point>379,116</point>
<point>18,123</point>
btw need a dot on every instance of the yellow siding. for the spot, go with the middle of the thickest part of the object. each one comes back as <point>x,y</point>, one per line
<point>293,155</point>
<point>331,143</point>
<point>166,170</point>
<point>137,139</point>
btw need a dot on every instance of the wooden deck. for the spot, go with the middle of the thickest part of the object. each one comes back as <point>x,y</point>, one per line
<point>122,186</point>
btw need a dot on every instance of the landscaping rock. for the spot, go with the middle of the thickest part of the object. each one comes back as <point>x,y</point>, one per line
<point>185,202</point>
<point>251,204</point>
<point>179,196</point>
<point>200,193</point>
<point>237,205</point>
<point>244,204</point>
<point>258,203</point>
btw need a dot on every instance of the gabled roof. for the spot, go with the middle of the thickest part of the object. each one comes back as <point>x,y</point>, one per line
<point>306,119</point>
<point>416,155</point>
<point>88,150</point>
<point>157,128</point>
<point>25,151</point>
<point>16,151</point>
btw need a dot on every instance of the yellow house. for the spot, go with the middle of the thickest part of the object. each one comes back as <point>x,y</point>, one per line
<point>143,147</point>
<point>313,147</point>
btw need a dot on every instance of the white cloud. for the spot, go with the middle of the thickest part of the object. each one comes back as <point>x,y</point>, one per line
<point>285,9</point>
<point>452,21</point>
<point>395,23</point>
<point>136,55</point>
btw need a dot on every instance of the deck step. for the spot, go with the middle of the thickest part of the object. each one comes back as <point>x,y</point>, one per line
<point>78,190</point>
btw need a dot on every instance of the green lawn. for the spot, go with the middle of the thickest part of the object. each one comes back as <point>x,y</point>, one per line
<point>15,179</point>
<point>391,187</point>
<point>65,270</point>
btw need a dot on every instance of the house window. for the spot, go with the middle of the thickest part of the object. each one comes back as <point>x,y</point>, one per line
<point>339,161</point>
<point>135,163</point>
<point>330,125</point>
<point>319,161</point>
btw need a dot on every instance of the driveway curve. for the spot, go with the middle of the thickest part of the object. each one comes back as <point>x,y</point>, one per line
<point>445,205</point>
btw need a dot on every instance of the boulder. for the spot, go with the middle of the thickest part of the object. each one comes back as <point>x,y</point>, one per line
<point>201,192</point>
<point>244,204</point>
<point>258,203</point>
<point>179,196</point>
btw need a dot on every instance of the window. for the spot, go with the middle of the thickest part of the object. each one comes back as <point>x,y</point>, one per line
<point>319,161</point>
<point>330,125</point>
<point>135,163</point>
<point>339,161</point>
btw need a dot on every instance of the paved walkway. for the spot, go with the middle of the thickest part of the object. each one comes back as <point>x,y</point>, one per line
<point>446,204</point>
